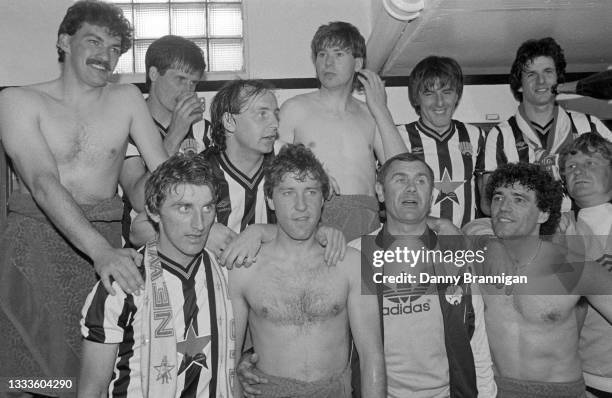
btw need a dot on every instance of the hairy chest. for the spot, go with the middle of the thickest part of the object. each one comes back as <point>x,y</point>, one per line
<point>299,298</point>
<point>95,135</point>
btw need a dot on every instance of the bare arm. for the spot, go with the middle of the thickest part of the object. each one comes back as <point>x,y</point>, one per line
<point>388,142</point>
<point>141,230</point>
<point>364,318</point>
<point>189,109</point>
<point>132,179</point>
<point>288,119</point>
<point>143,130</point>
<point>97,363</point>
<point>26,146</point>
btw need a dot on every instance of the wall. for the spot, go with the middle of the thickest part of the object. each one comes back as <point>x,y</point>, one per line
<point>28,29</point>
<point>279,33</point>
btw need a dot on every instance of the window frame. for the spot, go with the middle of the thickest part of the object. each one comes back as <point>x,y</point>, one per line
<point>140,77</point>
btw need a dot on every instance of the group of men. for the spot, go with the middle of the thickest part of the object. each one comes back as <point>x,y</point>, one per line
<point>170,320</point>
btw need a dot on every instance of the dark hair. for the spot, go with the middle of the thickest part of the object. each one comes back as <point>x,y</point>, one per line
<point>548,191</point>
<point>178,169</point>
<point>588,143</point>
<point>97,13</point>
<point>530,50</point>
<point>295,159</point>
<point>343,35</point>
<point>232,98</point>
<point>431,73</point>
<point>174,52</point>
<point>402,157</point>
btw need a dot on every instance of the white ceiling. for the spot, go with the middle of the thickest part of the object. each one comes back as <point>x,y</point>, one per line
<point>483,35</point>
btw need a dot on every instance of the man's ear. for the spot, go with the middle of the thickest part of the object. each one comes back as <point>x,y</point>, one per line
<point>63,42</point>
<point>270,203</point>
<point>154,217</point>
<point>358,64</point>
<point>543,217</point>
<point>229,123</point>
<point>380,192</point>
<point>153,73</point>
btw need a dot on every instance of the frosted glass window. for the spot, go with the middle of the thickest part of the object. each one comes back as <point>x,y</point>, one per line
<point>126,62</point>
<point>151,21</point>
<point>225,55</point>
<point>188,20</point>
<point>140,49</point>
<point>225,20</point>
<point>216,26</point>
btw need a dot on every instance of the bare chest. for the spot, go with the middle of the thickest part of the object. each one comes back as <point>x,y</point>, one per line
<point>299,298</point>
<point>94,137</point>
<point>529,308</point>
<point>336,132</point>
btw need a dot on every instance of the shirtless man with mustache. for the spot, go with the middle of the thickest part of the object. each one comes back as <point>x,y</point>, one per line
<point>66,139</point>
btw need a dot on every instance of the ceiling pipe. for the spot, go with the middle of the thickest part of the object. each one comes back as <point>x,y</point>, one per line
<point>390,21</point>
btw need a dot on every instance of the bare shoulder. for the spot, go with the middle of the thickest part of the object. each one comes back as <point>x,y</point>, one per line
<point>22,97</point>
<point>299,104</point>
<point>351,264</point>
<point>126,92</point>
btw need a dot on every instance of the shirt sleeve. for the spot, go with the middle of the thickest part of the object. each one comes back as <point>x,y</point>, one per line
<point>480,348</point>
<point>105,318</point>
<point>602,129</point>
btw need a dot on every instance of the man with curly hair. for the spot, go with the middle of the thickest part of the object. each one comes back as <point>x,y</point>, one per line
<point>533,327</point>
<point>541,128</point>
<point>301,312</point>
<point>67,139</point>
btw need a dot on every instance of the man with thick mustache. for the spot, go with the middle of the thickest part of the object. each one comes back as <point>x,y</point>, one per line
<point>67,140</point>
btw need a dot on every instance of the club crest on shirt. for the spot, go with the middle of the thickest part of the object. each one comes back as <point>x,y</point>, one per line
<point>465,147</point>
<point>453,294</point>
<point>163,371</point>
<point>416,149</point>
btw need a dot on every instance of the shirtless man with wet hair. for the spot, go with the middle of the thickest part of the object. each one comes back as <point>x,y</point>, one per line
<point>301,312</point>
<point>67,139</point>
<point>344,133</point>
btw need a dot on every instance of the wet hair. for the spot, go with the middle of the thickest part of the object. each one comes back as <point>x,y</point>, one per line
<point>178,170</point>
<point>432,73</point>
<point>530,50</point>
<point>402,157</point>
<point>97,13</point>
<point>588,144</point>
<point>343,35</point>
<point>298,160</point>
<point>232,98</point>
<point>174,52</point>
<point>548,191</point>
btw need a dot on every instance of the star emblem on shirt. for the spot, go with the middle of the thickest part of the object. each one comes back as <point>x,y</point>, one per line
<point>447,188</point>
<point>163,370</point>
<point>192,349</point>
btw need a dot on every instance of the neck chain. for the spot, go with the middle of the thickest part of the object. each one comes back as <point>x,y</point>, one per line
<point>521,266</point>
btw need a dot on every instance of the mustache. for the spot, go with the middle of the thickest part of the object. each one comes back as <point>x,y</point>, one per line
<point>93,61</point>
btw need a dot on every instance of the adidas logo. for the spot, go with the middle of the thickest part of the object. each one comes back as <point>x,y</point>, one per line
<point>401,309</point>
